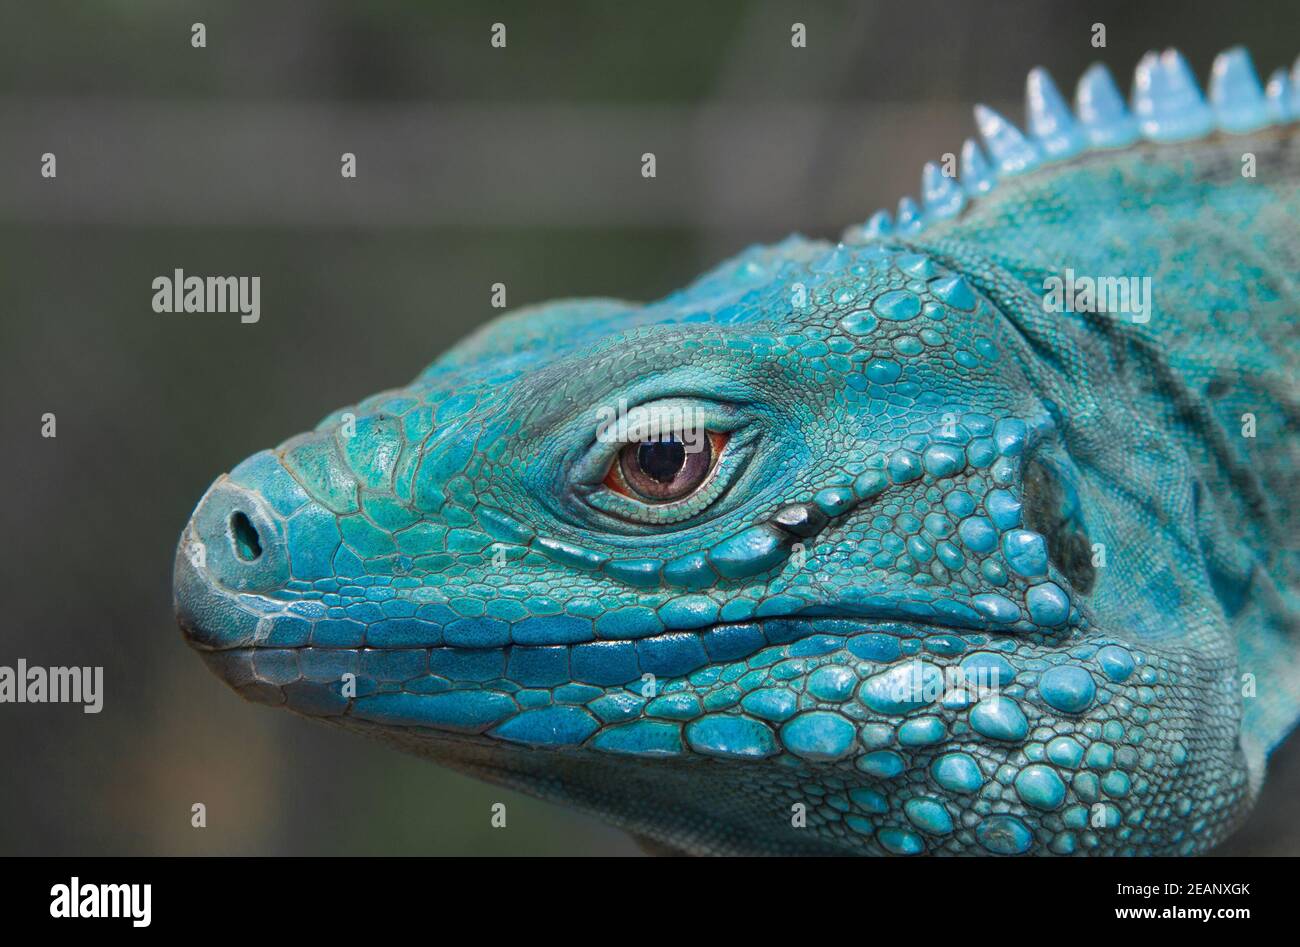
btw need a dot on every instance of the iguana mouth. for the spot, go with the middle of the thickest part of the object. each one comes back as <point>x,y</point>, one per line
<point>264,640</point>
<point>261,608</point>
<point>316,675</point>
<point>278,627</point>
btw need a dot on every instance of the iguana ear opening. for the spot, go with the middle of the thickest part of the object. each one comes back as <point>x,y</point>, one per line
<point>1051,509</point>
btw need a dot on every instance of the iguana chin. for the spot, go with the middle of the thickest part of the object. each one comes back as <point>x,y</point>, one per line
<point>859,547</point>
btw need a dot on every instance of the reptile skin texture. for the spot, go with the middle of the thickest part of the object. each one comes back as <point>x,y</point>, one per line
<point>963,575</point>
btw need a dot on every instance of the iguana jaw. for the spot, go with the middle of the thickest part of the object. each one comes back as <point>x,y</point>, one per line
<point>259,645</point>
<point>852,709</point>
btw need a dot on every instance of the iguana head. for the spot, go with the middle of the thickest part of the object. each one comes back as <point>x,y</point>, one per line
<point>808,557</point>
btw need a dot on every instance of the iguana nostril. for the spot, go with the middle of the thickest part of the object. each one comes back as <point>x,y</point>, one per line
<point>232,549</point>
<point>244,536</point>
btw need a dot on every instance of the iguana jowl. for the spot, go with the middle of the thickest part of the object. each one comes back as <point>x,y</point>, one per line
<point>984,541</point>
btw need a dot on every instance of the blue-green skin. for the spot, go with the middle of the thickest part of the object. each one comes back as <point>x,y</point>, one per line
<point>718,683</point>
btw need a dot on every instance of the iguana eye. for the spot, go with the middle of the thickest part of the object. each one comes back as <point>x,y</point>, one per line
<point>664,470</point>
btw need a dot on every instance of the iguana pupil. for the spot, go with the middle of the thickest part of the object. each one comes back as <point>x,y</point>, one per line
<point>661,460</point>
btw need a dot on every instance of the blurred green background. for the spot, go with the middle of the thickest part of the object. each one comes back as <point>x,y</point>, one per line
<point>476,165</point>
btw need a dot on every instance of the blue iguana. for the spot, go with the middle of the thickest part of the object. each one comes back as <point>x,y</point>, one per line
<point>972,532</point>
